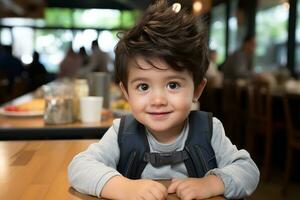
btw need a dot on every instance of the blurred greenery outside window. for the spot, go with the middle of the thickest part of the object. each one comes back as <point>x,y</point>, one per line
<point>58,17</point>
<point>53,43</point>
<point>218,31</point>
<point>271,38</point>
<point>90,18</point>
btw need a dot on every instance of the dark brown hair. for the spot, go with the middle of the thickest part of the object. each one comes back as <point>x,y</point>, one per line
<point>175,37</point>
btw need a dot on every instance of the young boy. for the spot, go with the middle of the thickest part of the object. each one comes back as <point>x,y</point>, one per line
<point>160,64</point>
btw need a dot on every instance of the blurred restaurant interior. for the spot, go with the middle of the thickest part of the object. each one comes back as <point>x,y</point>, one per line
<point>49,46</point>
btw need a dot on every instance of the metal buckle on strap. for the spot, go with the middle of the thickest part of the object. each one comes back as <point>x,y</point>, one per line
<point>160,159</point>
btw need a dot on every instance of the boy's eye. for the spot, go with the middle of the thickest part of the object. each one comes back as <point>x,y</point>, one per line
<point>143,87</point>
<point>173,85</point>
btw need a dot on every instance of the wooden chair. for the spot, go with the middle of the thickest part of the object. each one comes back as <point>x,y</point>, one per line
<point>210,101</point>
<point>259,122</point>
<point>3,87</point>
<point>20,86</point>
<point>231,107</point>
<point>292,117</point>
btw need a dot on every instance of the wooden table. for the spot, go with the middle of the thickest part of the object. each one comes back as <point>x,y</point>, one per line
<point>15,128</point>
<point>38,169</point>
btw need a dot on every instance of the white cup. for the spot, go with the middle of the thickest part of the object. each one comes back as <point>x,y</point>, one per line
<point>99,86</point>
<point>90,109</point>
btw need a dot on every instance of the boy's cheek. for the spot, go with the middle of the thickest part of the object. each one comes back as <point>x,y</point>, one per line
<point>136,103</point>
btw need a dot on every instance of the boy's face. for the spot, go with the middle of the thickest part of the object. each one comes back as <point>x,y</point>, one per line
<point>160,97</point>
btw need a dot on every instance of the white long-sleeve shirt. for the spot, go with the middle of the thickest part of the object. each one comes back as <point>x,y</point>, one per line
<point>90,170</point>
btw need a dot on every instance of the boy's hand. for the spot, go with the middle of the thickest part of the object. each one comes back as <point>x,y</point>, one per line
<point>197,188</point>
<point>120,187</point>
<point>146,189</point>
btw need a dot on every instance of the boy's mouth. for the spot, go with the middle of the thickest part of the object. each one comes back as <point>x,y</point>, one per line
<point>159,115</point>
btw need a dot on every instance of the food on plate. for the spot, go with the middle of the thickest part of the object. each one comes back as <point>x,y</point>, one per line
<point>35,105</point>
<point>120,104</point>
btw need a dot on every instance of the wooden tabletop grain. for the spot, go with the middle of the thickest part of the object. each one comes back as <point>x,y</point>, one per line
<point>38,169</point>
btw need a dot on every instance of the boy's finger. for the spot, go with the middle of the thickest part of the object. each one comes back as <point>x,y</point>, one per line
<point>163,190</point>
<point>174,179</point>
<point>173,186</point>
<point>158,194</point>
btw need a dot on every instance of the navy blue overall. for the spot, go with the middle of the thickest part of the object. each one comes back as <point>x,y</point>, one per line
<point>197,155</point>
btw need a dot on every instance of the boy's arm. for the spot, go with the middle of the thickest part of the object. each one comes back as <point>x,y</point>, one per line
<point>89,171</point>
<point>119,187</point>
<point>236,169</point>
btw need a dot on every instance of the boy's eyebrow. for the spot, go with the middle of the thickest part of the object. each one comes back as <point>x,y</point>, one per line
<point>138,79</point>
<point>168,77</point>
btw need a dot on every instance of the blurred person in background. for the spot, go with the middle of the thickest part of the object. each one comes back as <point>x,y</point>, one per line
<point>84,69</point>
<point>213,75</point>
<point>11,66</point>
<point>99,59</point>
<point>38,75</point>
<point>240,63</point>
<point>84,55</point>
<point>70,64</point>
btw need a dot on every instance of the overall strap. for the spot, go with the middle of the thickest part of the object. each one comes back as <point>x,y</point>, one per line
<point>198,144</point>
<point>133,144</point>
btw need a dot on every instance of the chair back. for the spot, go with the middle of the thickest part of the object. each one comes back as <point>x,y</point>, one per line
<point>292,117</point>
<point>259,101</point>
<point>231,109</point>
<point>230,95</point>
<point>4,87</point>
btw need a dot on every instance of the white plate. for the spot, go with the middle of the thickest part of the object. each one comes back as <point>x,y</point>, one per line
<point>21,113</point>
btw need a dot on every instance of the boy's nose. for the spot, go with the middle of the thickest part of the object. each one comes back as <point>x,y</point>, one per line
<point>158,98</point>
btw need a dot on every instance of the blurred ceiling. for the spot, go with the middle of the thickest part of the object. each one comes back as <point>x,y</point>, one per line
<point>110,4</point>
<point>35,8</point>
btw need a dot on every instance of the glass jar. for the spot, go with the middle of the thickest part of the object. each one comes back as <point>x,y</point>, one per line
<point>59,104</point>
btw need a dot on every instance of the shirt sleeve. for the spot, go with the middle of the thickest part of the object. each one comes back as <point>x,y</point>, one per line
<point>236,169</point>
<point>89,171</point>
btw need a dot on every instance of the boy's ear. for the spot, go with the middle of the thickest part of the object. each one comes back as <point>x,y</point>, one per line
<point>199,89</point>
<point>124,91</point>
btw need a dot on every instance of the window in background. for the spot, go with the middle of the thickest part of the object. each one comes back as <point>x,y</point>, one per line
<point>297,53</point>
<point>218,31</point>
<point>52,45</point>
<point>84,38</point>
<point>76,27</point>
<point>271,36</point>
<point>6,36</point>
<point>84,18</point>
<point>23,48</point>
<point>19,21</point>
<point>100,18</point>
<point>233,27</point>
<point>107,41</point>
